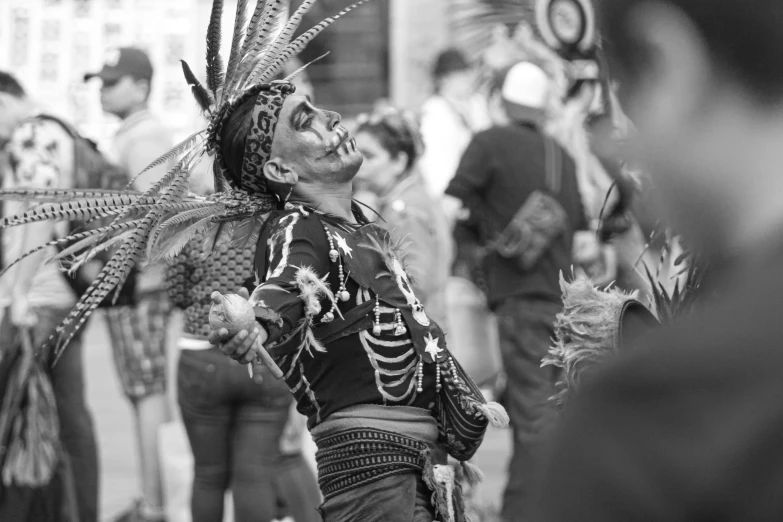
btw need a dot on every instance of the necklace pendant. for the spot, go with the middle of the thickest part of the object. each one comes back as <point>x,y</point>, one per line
<point>333,255</point>
<point>400,330</point>
<point>344,295</point>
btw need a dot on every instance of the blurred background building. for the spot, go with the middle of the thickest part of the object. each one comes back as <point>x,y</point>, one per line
<point>384,51</point>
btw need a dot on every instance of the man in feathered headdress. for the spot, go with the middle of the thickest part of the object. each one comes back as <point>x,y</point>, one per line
<point>332,310</point>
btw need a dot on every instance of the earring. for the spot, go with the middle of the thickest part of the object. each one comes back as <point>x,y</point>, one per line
<point>289,194</point>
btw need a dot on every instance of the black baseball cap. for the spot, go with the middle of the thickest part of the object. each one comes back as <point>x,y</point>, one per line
<point>125,61</point>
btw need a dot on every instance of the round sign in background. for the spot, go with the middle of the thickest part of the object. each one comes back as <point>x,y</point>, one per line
<point>567,25</point>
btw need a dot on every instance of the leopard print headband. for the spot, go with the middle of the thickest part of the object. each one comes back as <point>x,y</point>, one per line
<point>258,145</point>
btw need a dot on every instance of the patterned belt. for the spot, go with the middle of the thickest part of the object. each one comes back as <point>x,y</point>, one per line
<point>355,457</point>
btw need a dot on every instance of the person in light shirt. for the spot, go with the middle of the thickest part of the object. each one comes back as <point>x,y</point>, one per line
<point>449,118</point>
<point>139,331</point>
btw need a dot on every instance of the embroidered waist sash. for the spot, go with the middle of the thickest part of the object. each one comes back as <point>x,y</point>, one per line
<point>366,443</point>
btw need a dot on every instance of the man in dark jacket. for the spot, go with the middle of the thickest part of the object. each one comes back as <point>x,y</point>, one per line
<point>687,425</point>
<point>501,170</point>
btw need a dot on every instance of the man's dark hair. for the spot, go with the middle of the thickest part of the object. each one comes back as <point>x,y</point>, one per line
<point>744,39</point>
<point>234,137</point>
<point>10,85</point>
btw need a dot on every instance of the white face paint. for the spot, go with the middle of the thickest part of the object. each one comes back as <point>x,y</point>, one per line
<point>405,287</point>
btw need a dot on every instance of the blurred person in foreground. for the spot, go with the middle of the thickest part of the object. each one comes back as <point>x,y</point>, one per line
<point>449,118</point>
<point>138,332</point>
<point>244,432</point>
<point>513,178</point>
<point>687,423</point>
<point>39,154</point>
<point>390,142</point>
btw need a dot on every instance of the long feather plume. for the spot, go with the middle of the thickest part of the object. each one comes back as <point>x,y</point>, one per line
<point>248,231</point>
<point>170,247</point>
<point>200,93</point>
<point>260,36</point>
<point>71,238</point>
<point>164,230</point>
<point>115,271</point>
<point>60,212</point>
<point>300,70</point>
<point>300,43</point>
<point>240,23</point>
<point>214,61</point>
<point>283,39</point>
<point>61,194</point>
<point>180,148</point>
<point>74,262</point>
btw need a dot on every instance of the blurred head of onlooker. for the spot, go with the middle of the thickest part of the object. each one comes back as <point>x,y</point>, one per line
<point>520,94</point>
<point>703,85</point>
<point>390,143</point>
<point>453,75</point>
<point>14,105</point>
<point>126,79</point>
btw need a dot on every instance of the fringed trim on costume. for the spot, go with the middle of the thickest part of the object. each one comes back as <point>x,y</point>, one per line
<point>494,413</point>
<point>473,475</point>
<point>446,490</point>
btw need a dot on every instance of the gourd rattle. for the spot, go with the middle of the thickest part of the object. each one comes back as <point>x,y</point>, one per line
<point>234,313</point>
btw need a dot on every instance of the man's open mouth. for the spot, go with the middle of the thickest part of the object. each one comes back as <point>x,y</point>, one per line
<point>340,139</point>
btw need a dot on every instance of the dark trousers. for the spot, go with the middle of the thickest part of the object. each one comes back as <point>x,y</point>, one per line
<point>77,433</point>
<point>526,329</point>
<point>234,425</point>
<point>399,498</point>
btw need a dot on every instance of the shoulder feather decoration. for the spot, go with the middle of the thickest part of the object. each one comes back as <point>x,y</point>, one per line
<point>586,332</point>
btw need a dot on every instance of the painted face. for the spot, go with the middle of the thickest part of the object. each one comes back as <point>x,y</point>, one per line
<point>379,169</point>
<point>311,142</point>
<point>119,96</point>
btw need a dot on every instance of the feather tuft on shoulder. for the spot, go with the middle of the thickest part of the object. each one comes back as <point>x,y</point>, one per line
<point>586,331</point>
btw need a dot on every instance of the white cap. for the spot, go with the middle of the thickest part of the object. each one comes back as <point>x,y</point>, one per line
<point>527,85</point>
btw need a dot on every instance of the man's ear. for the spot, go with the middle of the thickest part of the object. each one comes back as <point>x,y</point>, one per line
<point>277,172</point>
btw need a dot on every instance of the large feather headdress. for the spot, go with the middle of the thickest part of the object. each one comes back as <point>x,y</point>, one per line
<point>156,224</point>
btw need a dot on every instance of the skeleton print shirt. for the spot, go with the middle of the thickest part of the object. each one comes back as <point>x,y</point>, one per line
<point>345,325</point>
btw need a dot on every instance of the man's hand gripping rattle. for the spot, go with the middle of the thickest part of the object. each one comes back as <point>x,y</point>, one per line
<point>236,332</point>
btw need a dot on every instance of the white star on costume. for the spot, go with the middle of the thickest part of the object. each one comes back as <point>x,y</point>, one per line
<point>432,347</point>
<point>343,244</point>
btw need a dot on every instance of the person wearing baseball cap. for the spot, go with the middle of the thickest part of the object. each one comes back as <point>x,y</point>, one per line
<point>138,332</point>
<point>125,61</point>
<point>511,179</point>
